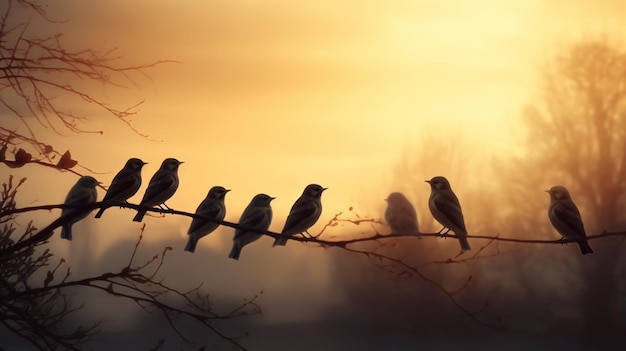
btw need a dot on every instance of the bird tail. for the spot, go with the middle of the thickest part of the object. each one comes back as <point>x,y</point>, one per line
<point>100,212</point>
<point>66,232</point>
<point>139,216</point>
<point>584,247</point>
<point>191,244</point>
<point>281,241</point>
<point>464,244</point>
<point>235,252</point>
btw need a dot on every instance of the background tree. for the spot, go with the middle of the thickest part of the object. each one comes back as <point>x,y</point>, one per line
<point>428,276</point>
<point>576,137</point>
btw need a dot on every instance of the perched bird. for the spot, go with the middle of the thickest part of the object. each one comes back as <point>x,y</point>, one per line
<point>303,214</point>
<point>162,186</point>
<point>446,209</point>
<point>82,193</point>
<point>400,215</point>
<point>565,218</point>
<point>257,215</point>
<point>213,207</point>
<point>125,184</point>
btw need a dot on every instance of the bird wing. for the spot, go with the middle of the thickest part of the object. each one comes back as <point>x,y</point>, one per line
<point>407,212</point>
<point>79,196</point>
<point>299,214</point>
<point>403,214</point>
<point>160,183</point>
<point>569,216</point>
<point>121,183</point>
<point>211,209</point>
<point>255,218</point>
<point>448,205</point>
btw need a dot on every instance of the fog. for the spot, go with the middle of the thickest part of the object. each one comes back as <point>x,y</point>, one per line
<point>364,100</point>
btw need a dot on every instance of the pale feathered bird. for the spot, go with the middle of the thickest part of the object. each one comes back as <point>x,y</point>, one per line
<point>212,207</point>
<point>400,215</point>
<point>445,207</point>
<point>82,193</point>
<point>257,215</point>
<point>303,214</point>
<point>125,184</point>
<point>162,186</point>
<point>566,219</point>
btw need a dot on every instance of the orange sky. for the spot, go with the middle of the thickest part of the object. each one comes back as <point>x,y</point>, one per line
<point>271,96</point>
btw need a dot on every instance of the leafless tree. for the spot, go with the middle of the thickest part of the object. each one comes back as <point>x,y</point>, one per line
<point>576,137</point>
<point>34,72</point>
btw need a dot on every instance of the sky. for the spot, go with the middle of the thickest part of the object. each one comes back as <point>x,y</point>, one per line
<point>316,91</point>
<point>271,96</point>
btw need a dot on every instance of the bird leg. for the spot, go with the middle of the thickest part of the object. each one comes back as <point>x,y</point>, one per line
<point>444,234</point>
<point>308,235</point>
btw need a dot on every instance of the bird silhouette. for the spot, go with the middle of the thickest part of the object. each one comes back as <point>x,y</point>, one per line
<point>445,207</point>
<point>303,214</point>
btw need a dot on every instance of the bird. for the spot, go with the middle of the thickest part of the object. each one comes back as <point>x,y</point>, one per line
<point>400,215</point>
<point>445,207</point>
<point>565,218</point>
<point>162,186</point>
<point>257,215</point>
<point>303,214</point>
<point>125,184</point>
<point>213,207</point>
<point>82,193</point>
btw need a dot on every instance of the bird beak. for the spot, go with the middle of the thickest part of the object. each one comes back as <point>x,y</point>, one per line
<point>180,162</point>
<point>427,181</point>
<point>547,191</point>
<point>324,189</point>
<point>226,190</point>
<point>144,163</point>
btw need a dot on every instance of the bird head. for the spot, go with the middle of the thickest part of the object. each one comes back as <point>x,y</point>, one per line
<point>217,192</point>
<point>558,192</point>
<point>135,164</point>
<point>395,198</point>
<point>171,164</point>
<point>262,200</point>
<point>439,183</point>
<point>88,182</point>
<point>313,190</point>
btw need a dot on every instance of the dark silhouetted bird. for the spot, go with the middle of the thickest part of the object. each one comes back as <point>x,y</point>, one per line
<point>125,184</point>
<point>162,186</point>
<point>212,207</point>
<point>258,215</point>
<point>566,219</point>
<point>82,193</point>
<point>303,214</point>
<point>445,207</point>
